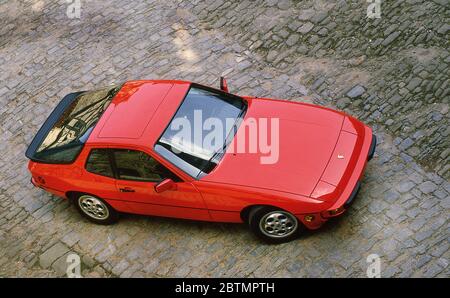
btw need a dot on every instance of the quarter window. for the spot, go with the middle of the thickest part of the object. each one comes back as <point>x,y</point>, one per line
<point>138,166</point>
<point>98,163</point>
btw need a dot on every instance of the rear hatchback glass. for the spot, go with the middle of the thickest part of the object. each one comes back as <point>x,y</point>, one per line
<point>63,135</point>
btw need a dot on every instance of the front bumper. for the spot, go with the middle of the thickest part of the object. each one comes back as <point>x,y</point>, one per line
<point>373,145</point>
<point>353,195</point>
<point>349,193</point>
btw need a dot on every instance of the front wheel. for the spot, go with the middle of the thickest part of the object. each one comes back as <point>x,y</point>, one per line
<point>274,225</point>
<point>95,209</point>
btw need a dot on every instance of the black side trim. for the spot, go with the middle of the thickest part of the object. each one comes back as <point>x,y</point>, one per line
<point>49,123</point>
<point>353,195</point>
<point>373,145</point>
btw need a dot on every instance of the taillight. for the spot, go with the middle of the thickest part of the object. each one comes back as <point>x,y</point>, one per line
<point>40,180</point>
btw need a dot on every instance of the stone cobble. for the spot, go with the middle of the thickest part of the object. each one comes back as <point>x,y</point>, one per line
<point>391,72</point>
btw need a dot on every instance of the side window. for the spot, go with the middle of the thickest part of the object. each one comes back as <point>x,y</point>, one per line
<point>139,166</point>
<point>98,163</point>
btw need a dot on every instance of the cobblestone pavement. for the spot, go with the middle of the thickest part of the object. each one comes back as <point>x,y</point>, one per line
<point>392,73</point>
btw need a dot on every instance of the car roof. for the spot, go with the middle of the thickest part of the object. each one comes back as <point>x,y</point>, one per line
<point>139,113</point>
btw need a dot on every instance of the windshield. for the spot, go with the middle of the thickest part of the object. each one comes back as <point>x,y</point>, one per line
<point>66,138</point>
<point>201,129</point>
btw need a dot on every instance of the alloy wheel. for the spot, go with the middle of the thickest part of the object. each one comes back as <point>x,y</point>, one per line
<point>93,207</point>
<point>278,224</point>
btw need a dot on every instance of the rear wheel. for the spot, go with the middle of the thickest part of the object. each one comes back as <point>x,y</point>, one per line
<point>274,225</point>
<point>95,209</point>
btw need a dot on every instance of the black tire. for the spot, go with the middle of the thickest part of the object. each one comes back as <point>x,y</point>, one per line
<point>283,223</point>
<point>100,212</point>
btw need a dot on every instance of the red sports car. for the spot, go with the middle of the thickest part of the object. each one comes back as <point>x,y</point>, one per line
<point>121,149</point>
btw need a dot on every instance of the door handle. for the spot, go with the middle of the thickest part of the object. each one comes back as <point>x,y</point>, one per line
<point>126,189</point>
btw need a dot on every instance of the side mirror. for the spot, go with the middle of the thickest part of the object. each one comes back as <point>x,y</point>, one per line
<point>167,184</point>
<point>223,85</point>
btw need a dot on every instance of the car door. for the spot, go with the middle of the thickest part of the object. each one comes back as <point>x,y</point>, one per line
<point>137,174</point>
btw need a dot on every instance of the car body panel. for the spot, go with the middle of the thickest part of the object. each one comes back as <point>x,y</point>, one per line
<point>145,200</point>
<point>227,201</point>
<point>340,158</point>
<point>308,179</point>
<point>139,114</point>
<point>159,108</point>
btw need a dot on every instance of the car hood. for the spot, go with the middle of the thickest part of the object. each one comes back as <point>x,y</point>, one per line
<point>307,137</point>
